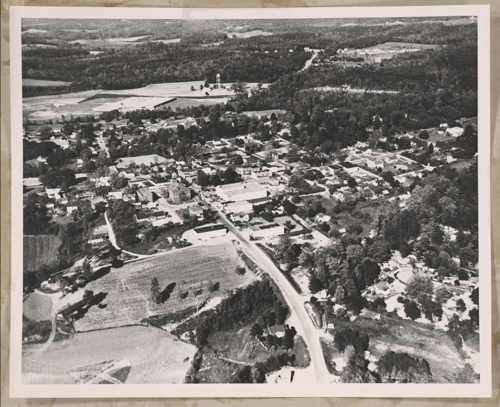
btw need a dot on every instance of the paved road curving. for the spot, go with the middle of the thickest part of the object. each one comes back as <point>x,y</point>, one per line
<point>295,302</point>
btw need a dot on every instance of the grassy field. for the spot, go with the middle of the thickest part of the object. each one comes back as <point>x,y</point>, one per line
<point>405,336</point>
<point>37,307</point>
<point>41,82</point>
<point>185,271</point>
<point>39,250</point>
<point>155,356</point>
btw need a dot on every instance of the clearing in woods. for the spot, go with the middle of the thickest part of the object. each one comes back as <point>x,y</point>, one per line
<point>185,274</point>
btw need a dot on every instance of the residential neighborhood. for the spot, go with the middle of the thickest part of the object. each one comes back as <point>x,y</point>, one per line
<point>297,228</point>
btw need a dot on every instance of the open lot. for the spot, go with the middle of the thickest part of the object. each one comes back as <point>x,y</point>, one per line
<point>155,356</point>
<point>128,299</point>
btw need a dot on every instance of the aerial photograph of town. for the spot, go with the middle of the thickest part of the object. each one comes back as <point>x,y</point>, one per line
<point>250,201</point>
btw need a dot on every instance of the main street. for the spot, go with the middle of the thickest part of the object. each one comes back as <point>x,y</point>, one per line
<point>295,302</point>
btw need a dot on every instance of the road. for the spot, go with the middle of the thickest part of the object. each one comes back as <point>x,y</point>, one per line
<point>310,61</point>
<point>102,144</point>
<point>295,302</point>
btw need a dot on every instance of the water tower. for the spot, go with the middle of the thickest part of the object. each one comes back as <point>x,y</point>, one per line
<point>218,81</point>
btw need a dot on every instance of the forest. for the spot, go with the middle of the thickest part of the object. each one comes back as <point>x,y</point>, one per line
<point>205,49</point>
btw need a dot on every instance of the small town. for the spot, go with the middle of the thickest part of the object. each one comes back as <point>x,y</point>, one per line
<point>239,233</point>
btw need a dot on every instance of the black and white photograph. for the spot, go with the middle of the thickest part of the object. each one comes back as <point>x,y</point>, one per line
<point>248,202</point>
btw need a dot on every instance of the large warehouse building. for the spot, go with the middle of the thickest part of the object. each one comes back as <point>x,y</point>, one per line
<point>241,191</point>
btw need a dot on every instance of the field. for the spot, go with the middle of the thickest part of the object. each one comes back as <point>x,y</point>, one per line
<point>248,34</point>
<point>37,307</point>
<point>78,103</point>
<point>40,82</point>
<point>155,356</point>
<point>184,271</point>
<point>416,339</point>
<point>39,250</point>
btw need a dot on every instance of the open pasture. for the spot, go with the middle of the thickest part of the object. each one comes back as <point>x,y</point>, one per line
<point>155,356</point>
<point>190,271</point>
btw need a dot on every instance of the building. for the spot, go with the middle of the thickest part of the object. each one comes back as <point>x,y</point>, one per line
<point>241,206</point>
<point>454,131</point>
<point>239,217</point>
<point>275,330</point>
<point>210,231</point>
<point>149,216</point>
<point>196,211</point>
<point>178,192</point>
<point>268,231</point>
<point>321,217</point>
<point>144,195</point>
<point>241,191</point>
<point>349,167</point>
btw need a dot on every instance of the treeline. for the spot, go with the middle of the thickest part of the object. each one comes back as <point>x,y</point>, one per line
<point>157,63</point>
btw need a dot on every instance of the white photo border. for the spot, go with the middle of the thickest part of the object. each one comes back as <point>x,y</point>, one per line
<point>482,389</point>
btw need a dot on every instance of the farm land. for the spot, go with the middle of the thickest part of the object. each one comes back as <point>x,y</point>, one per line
<point>189,270</point>
<point>155,356</point>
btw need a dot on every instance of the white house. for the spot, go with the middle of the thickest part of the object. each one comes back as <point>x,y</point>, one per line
<point>321,217</point>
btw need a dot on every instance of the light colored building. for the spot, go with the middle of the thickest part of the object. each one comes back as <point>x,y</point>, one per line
<point>240,206</point>
<point>210,231</point>
<point>242,191</point>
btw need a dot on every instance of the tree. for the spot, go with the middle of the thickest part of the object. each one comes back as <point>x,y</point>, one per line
<point>424,135</point>
<point>256,330</point>
<point>230,176</point>
<point>58,178</point>
<point>474,296</point>
<point>460,305</point>
<point>240,270</point>
<point>411,310</point>
<point>315,284</point>
<point>420,287</point>
<point>289,207</point>
<point>351,182</point>
<point>442,295</point>
<point>155,291</point>
<point>379,251</point>
<point>215,180</point>
<point>285,250</point>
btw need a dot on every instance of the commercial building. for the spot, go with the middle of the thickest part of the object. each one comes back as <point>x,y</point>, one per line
<point>241,206</point>
<point>210,231</point>
<point>242,191</point>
